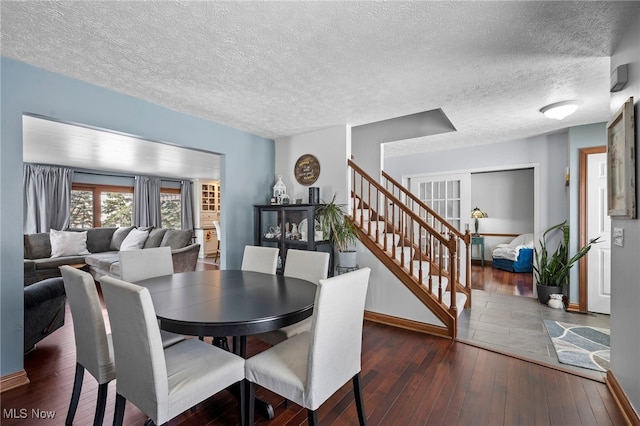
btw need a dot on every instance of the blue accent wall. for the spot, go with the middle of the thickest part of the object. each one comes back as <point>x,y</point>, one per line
<point>247,173</point>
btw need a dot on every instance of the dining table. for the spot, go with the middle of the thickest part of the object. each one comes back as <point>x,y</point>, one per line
<point>235,303</point>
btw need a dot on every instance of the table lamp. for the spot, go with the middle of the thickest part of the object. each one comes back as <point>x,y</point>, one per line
<point>476,214</point>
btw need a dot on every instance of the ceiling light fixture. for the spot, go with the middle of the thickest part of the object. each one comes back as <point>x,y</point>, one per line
<point>560,110</point>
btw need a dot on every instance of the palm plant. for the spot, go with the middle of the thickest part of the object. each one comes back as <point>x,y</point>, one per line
<point>552,268</point>
<point>342,233</point>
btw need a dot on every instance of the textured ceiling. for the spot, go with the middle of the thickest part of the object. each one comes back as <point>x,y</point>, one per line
<point>283,68</point>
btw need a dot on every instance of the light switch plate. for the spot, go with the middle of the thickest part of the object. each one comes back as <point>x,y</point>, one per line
<point>618,236</point>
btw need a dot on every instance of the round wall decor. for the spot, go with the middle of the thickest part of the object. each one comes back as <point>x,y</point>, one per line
<point>307,169</point>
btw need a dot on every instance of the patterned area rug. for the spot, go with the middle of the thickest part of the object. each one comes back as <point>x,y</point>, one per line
<point>580,345</point>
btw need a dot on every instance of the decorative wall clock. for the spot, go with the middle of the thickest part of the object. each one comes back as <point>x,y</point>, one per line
<point>307,169</point>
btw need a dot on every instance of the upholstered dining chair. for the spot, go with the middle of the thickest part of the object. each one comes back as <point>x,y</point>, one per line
<point>94,351</point>
<point>161,382</point>
<point>306,265</point>
<point>136,265</point>
<point>310,367</point>
<point>260,259</point>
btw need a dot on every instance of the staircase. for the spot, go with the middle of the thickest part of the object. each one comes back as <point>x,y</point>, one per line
<point>418,246</point>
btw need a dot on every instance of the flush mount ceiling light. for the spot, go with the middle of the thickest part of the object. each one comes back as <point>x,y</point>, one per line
<point>560,110</point>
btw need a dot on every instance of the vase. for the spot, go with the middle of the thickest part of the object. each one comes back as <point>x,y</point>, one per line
<point>544,291</point>
<point>347,259</point>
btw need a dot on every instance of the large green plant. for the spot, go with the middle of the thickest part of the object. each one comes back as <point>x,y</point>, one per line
<point>552,268</point>
<point>342,233</point>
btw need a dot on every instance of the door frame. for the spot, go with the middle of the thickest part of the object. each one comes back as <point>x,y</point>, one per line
<point>583,289</point>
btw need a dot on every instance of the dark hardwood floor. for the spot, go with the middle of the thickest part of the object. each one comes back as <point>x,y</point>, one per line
<point>408,378</point>
<point>497,281</point>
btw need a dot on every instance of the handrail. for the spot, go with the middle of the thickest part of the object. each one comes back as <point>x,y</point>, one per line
<point>421,204</point>
<point>429,256</point>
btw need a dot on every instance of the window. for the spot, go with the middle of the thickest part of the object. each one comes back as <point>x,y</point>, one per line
<point>104,205</point>
<point>170,208</point>
<point>101,205</point>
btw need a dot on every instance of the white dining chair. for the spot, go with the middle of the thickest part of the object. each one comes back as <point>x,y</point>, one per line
<point>136,265</point>
<point>260,259</point>
<point>306,265</point>
<point>161,382</point>
<point>310,367</point>
<point>94,351</point>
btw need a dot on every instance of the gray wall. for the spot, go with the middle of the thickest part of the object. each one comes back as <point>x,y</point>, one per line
<point>247,168</point>
<point>507,198</point>
<point>549,152</point>
<point>625,264</point>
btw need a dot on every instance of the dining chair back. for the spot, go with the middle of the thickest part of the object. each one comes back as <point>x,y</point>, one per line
<point>260,259</point>
<point>331,350</point>
<point>136,265</point>
<point>94,351</point>
<point>216,254</point>
<point>306,265</point>
<point>161,382</point>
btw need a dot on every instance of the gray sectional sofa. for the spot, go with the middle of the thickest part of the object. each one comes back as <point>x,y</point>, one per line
<point>103,245</point>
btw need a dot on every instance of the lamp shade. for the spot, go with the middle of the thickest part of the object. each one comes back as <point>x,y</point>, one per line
<point>476,213</point>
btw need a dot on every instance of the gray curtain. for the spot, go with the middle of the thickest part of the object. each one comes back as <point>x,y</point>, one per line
<point>146,201</point>
<point>186,204</point>
<point>46,198</point>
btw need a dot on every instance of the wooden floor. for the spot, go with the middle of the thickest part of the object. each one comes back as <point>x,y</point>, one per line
<point>497,281</point>
<point>408,379</point>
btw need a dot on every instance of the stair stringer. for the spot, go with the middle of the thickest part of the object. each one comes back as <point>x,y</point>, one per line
<point>448,316</point>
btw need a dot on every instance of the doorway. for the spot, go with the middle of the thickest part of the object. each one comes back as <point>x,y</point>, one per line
<point>595,268</point>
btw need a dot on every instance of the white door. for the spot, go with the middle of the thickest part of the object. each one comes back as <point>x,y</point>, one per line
<point>598,224</point>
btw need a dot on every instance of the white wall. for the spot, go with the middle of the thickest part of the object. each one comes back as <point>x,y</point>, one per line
<point>625,267</point>
<point>331,146</point>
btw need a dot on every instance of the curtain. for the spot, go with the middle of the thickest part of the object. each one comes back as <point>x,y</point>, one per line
<point>146,201</point>
<point>46,198</point>
<point>186,204</point>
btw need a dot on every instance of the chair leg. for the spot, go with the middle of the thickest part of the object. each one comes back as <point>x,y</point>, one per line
<point>357,390</point>
<point>75,394</point>
<point>250,403</point>
<point>243,402</point>
<point>101,404</point>
<point>118,413</point>
<point>312,417</point>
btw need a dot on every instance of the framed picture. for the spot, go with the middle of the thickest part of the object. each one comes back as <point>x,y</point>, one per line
<point>621,169</point>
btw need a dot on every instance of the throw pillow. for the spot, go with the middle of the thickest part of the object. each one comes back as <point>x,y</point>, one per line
<point>155,238</point>
<point>176,238</point>
<point>134,240</point>
<point>119,236</point>
<point>65,243</point>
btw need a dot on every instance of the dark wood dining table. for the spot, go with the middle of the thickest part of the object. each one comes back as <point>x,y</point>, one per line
<point>221,303</point>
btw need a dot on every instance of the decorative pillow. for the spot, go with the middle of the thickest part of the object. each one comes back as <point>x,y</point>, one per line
<point>64,243</point>
<point>134,240</point>
<point>119,236</point>
<point>155,238</point>
<point>176,238</point>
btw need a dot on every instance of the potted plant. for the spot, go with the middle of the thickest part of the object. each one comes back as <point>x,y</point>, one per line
<point>551,269</point>
<point>340,232</point>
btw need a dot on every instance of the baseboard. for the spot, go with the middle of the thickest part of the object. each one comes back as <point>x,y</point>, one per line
<point>13,380</point>
<point>406,324</point>
<point>574,307</point>
<point>630,414</point>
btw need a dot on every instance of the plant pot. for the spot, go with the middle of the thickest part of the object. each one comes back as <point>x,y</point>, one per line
<point>544,291</point>
<point>347,259</point>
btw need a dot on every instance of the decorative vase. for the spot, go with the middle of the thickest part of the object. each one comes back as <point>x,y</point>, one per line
<point>544,291</point>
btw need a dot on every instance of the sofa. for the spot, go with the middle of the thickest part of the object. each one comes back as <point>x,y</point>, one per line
<point>44,310</point>
<point>97,253</point>
<point>517,256</point>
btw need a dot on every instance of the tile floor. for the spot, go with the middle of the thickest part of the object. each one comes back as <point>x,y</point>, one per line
<point>514,325</point>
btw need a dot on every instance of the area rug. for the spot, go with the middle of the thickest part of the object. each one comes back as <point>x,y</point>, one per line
<point>580,345</point>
